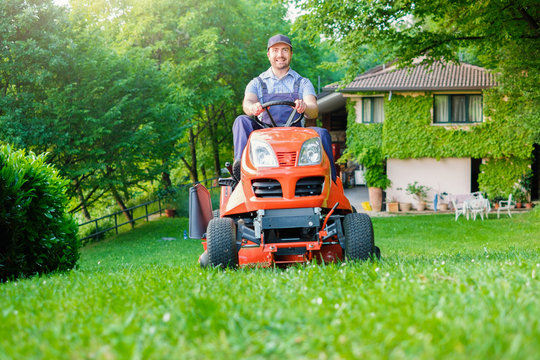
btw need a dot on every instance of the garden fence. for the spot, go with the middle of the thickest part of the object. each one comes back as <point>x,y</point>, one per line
<point>104,224</point>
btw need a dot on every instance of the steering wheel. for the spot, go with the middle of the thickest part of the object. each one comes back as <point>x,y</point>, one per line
<point>290,120</point>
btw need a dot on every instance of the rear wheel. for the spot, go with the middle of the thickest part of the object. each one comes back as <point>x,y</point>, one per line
<point>221,243</point>
<point>359,242</point>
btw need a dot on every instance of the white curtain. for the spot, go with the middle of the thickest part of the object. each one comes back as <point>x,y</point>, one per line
<point>441,108</point>
<point>366,109</point>
<point>378,110</point>
<point>459,108</point>
<point>475,108</point>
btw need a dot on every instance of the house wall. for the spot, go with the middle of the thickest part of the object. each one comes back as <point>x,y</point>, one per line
<point>451,175</point>
<point>408,132</point>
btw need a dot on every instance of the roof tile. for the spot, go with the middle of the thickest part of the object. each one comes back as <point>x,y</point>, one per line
<point>437,76</point>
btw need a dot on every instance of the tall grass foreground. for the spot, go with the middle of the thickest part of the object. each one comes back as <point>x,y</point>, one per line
<point>443,289</point>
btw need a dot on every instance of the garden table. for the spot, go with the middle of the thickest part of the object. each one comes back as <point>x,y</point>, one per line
<point>477,206</point>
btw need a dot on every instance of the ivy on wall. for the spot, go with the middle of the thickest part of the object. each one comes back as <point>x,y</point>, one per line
<point>499,177</point>
<point>408,132</point>
<point>364,145</point>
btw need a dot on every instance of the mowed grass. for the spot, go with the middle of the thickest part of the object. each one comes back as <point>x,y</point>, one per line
<point>443,289</point>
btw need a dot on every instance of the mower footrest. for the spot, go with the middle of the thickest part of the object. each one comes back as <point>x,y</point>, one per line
<point>310,246</point>
<point>300,260</point>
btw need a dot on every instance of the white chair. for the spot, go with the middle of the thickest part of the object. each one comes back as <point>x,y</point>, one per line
<point>459,207</point>
<point>506,205</point>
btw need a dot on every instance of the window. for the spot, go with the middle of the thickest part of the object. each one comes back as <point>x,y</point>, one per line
<point>372,110</point>
<point>457,109</point>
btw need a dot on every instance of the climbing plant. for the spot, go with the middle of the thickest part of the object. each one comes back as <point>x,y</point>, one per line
<point>408,132</point>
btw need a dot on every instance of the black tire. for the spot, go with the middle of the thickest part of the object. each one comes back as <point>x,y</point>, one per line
<point>221,243</point>
<point>359,242</point>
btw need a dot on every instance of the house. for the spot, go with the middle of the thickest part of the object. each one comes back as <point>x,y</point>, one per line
<point>440,125</point>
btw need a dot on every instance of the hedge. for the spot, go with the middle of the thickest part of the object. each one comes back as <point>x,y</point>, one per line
<point>36,234</point>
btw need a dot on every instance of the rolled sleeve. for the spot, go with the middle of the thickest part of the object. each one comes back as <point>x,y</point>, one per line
<point>306,88</point>
<point>251,88</point>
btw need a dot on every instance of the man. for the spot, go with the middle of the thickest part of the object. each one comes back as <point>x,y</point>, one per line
<point>278,83</point>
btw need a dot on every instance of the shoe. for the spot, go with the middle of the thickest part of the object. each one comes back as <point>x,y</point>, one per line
<point>236,169</point>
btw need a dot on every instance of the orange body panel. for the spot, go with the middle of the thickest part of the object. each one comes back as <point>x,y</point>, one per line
<point>283,141</point>
<point>242,201</point>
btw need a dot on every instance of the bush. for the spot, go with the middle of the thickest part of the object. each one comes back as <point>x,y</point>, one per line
<point>36,234</point>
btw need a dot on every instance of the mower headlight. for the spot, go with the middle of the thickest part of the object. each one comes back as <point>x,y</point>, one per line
<point>262,154</point>
<point>311,152</point>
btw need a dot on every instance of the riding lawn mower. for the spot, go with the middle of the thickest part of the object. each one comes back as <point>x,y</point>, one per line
<point>284,208</point>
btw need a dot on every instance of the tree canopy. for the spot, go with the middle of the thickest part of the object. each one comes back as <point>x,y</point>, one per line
<point>124,94</point>
<point>501,35</point>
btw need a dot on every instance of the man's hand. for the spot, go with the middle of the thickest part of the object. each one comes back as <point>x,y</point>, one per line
<point>256,109</point>
<point>300,106</point>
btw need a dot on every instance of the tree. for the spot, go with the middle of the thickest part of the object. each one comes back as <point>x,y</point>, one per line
<point>496,31</point>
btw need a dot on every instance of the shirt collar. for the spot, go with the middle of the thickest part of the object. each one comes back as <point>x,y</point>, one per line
<point>270,74</point>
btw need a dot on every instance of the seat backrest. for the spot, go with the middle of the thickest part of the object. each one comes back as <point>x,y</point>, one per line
<point>477,195</point>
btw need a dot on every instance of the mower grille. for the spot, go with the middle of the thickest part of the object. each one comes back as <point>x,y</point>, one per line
<point>311,186</point>
<point>286,158</point>
<point>267,188</point>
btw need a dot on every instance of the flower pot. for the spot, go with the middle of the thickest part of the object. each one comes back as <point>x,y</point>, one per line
<point>421,206</point>
<point>528,205</point>
<point>442,207</point>
<point>375,198</point>
<point>404,206</point>
<point>392,207</point>
<point>518,205</point>
<point>170,212</point>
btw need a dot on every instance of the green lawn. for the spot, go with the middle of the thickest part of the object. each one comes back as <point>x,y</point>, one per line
<point>443,289</point>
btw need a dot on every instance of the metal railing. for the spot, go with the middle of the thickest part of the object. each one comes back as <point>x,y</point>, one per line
<point>98,231</point>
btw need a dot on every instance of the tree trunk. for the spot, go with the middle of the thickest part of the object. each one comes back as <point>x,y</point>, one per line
<point>166,179</point>
<point>82,199</point>
<point>193,149</point>
<point>122,206</point>
<point>212,128</point>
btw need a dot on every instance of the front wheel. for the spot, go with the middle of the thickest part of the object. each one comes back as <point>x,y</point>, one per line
<point>221,243</point>
<point>359,242</point>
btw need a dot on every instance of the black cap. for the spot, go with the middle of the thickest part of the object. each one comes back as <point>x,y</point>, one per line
<point>276,39</point>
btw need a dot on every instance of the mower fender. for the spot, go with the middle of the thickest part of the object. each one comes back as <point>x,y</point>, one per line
<point>200,211</point>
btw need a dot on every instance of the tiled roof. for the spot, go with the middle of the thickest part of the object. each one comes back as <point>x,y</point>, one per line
<point>437,76</point>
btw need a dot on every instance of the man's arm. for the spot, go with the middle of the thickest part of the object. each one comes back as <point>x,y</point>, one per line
<point>251,105</point>
<point>308,106</point>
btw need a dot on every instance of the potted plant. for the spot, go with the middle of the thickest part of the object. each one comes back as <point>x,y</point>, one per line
<point>169,197</point>
<point>526,183</point>
<point>375,175</point>
<point>519,197</point>
<point>391,204</point>
<point>404,206</point>
<point>419,192</point>
<point>495,201</point>
<point>442,204</point>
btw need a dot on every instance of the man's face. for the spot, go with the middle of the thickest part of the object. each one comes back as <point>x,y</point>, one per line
<point>280,56</point>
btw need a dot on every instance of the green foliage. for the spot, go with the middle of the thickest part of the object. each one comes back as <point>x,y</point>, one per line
<point>124,93</point>
<point>499,177</point>
<point>364,146</point>
<point>503,36</point>
<point>417,190</point>
<point>465,289</point>
<point>409,133</point>
<point>38,236</point>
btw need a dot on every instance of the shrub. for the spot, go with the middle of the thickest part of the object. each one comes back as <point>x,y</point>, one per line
<point>36,234</point>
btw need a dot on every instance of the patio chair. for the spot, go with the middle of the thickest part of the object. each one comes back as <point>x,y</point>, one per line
<point>459,205</point>
<point>506,205</point>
